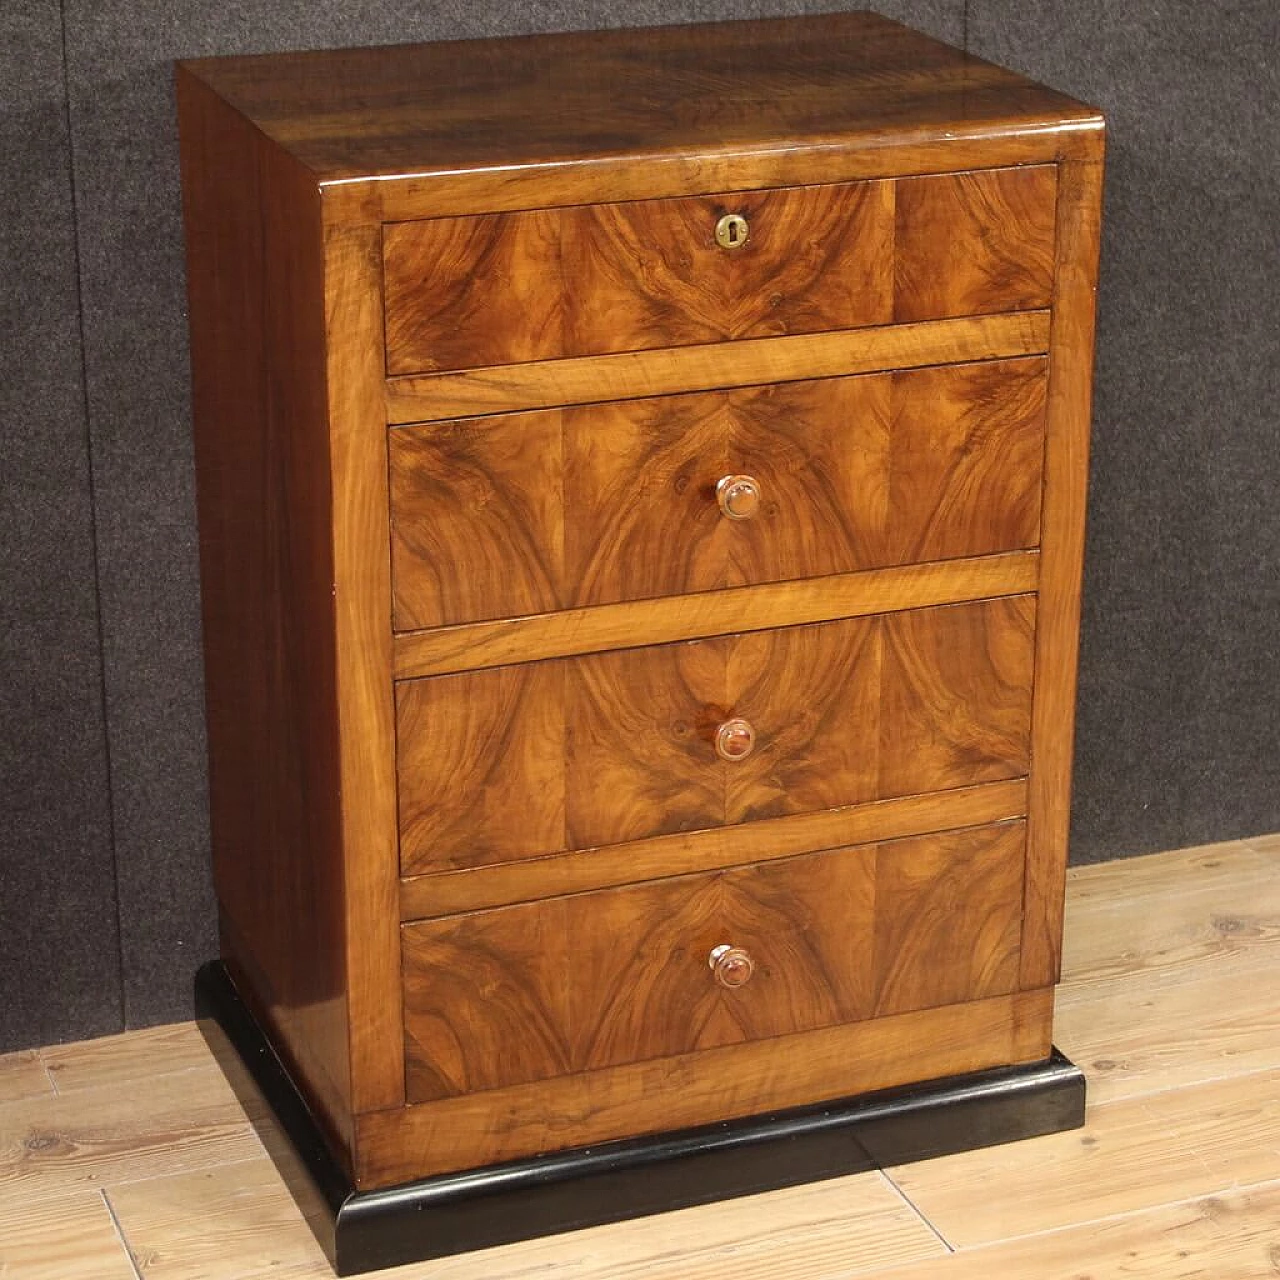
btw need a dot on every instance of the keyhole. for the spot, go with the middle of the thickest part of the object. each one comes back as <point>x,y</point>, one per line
<point>732,231</point>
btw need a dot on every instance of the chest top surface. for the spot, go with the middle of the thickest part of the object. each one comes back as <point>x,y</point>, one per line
<point>778,84</point>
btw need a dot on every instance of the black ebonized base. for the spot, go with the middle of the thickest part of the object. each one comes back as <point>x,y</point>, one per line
<point>453,1213</point>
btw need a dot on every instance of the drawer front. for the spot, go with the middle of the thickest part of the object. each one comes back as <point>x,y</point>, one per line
<point>532,512</point>
<point>624,975</point>
<point>520,761</point>
<point>543,284</point>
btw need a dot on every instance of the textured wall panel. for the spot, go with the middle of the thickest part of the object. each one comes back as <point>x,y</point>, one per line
<point>1179,729</point>
<point>59,952</point>
<point>119,57</point>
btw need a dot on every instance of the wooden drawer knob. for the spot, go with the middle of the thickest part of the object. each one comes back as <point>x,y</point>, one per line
<point>738,496</point>
<point>735,740</point>
<point>732,966</point>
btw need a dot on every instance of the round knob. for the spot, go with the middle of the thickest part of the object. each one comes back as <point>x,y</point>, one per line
<point>738,496</point>
<point>732,231</point>
<point>732,966</point>
<point>735,740</point>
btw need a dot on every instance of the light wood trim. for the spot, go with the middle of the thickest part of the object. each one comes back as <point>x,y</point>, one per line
<point>450,892</point>
<point>631,375</point>
<point>473,645</point>
<point>1066,474</point>
<point>477,1129</point>
<point>366,712</point>
<point>400,197</point>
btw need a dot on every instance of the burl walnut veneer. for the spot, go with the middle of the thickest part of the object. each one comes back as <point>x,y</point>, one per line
<point>641,491</point>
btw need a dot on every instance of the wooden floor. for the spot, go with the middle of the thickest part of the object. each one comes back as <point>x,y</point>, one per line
<point>130,1156</point>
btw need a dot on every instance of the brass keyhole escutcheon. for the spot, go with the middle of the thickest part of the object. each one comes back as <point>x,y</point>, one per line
<point>732,231</point>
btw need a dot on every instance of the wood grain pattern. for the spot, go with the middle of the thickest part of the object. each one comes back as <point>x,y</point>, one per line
<point>747,362</point>
<point>1135,980</point>
<point>845,712</point>
<point>72,1238</point>
<point>1215,868</point>
<point>948,923</point>
<point>593,279</point>
<point>1230,1233</point>
<point>194,1226</point>
<point>527,513</point>
<point>361,589</point>
<point>481,763</point>
<point>974,242</point>
<point>1066,482</point>
<point>596,279</point>
<point>701,1088</point>
<point>972,145</point>
<point>1143,943</point>
<point>850,83</point>
<point>51,1148</point>
<point>475,646</point>
<point>264,498</point>
<point>241,1220</point>
<point>578,983</point>
<point>22,1075</point>
<point>123,1060</point>
<point>558,682</point>
<point>575,984</point>
<point>955,688</point>
<point>1133,1038</point>
<point>501,884</point>
<point>1214,914</point>
<point>1135,1154</point>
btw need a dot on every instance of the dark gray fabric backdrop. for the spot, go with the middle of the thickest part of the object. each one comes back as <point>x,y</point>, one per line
<point>105,905</point>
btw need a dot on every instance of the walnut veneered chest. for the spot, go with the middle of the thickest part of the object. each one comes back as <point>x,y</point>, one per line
<point>641,487</point>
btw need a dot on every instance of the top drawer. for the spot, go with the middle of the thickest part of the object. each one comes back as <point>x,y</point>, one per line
<point>544,284</point>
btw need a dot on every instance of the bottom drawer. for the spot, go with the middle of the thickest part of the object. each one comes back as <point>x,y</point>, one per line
<point>574,984</point>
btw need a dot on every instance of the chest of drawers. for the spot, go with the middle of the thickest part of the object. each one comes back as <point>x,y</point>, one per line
<point>641,484</point>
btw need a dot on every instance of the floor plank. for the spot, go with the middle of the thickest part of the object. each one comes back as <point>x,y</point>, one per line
<point>229,1222</point>
<point>242,1219</point>
<point>1133,1154</point>
<point>22,1075</point>
<point>1152,876</point>
<point>71,1238</point>
<point>1232,1236</point>
<point>124,1059</point>
<point>1135,1041</point>
<point>1148,961</point>
<point>1222,926</point>
<point>94,1137</point>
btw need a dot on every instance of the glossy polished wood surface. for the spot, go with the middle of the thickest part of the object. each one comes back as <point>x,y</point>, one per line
<point>361,591</point>
<point>1067,462</point>
<point>748,362</point>
<point>593,279</point>
<point>254,245</point>
<point>478,645</point>
<point>574,984</point>
<point>701,1088</point>
<point>974,243</point>
<point>529,513</point>
<point>600,582</point>
<point>851,80</point>
<point>447,892</point>
<point>535,758</point>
